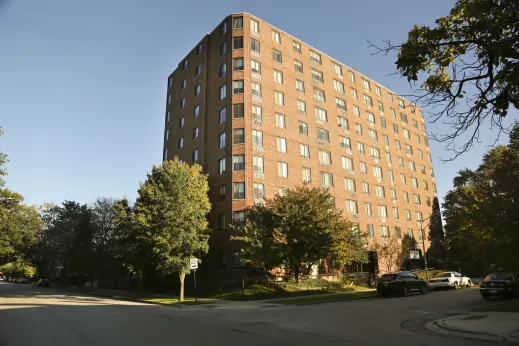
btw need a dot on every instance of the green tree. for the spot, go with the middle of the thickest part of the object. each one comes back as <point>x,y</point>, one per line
<point>3,161</point>
<point>18,269</point>
<point>467,66</point>
<point>299,229</point>
<point>171,213</point>
<point>436,249</point>
<point>481,211</point>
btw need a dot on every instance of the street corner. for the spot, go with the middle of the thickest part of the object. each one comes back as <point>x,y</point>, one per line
<point>488,326</point>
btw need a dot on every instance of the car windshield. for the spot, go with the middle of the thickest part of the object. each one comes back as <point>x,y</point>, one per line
<point>499,277</point>
<point>388,277</point>
<point>443,275</point>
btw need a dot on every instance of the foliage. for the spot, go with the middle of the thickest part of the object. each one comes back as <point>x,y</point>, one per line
<point>432,274</point>
<point>19,224</point>
<point>18,269</point>
<point>481,215</point>
<point>470,60</point>
<point>436,249</point>
<point>299,229</point>
<point>3,161</point>
<point>388,252</point>
<point>171,213</point>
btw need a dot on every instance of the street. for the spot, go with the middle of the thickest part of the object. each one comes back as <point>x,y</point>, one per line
<point>47,316</point>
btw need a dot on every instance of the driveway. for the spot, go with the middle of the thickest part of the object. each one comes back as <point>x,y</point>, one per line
<point>46,316</point>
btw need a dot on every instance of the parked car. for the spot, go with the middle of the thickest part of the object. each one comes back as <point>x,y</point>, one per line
<point>43,283</point>
<point>450,279</point>
<point>401,283</point>
<point>503,285</point>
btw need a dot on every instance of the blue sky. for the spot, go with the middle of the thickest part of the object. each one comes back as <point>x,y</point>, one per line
<point>82,83</point>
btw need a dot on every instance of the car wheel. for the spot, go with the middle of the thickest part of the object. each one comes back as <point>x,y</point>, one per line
<point>469,284</point>
<point>423,289</point>
<point>405,291</point>
<point>455,285</point>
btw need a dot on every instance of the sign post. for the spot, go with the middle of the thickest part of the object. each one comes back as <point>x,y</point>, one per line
<point>193,265</point>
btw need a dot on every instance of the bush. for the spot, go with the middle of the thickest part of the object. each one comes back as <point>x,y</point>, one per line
<point>432,274</point>
<point>18,269</point>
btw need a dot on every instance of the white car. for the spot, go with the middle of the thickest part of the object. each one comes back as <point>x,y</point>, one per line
<point>450,279</point>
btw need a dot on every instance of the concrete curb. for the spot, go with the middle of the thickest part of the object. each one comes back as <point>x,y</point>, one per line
<point>325,301</point>
<point>178,306</point>
<point>450,330</point>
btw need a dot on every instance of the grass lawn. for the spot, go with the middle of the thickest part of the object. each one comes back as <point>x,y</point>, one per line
<point>501,305</point>
<point>262,292</point>
<point>163,300</point>
<point>326,298</point>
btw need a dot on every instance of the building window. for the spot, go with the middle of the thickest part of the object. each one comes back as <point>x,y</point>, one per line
<point>222,140</point>
<point>390,97</point>
<point>323,135</point>
<point>238,136</point>
<point>257,164</point>
<point>380,107</point>
<point>370,231</point>
<point>195,132</point>
<point>368,100</point>
<point>254,45</point>
<point>221,166</point>
<point>406,197</point>
<point>401,104</point>
<point>168,116</point>
<point>276,55</point>
<point>317,76</point>
<point>259,191</point>
<point>166,135</point>
<point>254,25</point>
<point>347,163</point>
<point>238,190</point>
<point>183,102</point>
<point>306,175</point>
<point>371,117</point>
<point>301,106</point>
<point>326,179</point>
<point>238,110</point>
<point>180,143</point>
<point>351,75</point>
<point>196,111</point>
<point>393,113</point>
<point>238,87</point>
<point>223,48</point>
<point>184,64</point>
<point>380,191</point>
<point>365,187</point>
<point>341,104</point>
<point>337,69</point>
<point>300,85</point>
<point>398,233</point>
<point>298,65</point>
<point>255,66</point>
<point>351,206</point>
<point>382,211</point>
<point>396,215</point>
<point>366,84</point>
<point>281,144</point>
<point>223,115</point>
<point>319,95</point>
<point>388,157</point>
<point>345,142</point>
<point>356,111</point>
<point>315,57</point>
<point>367,208</point>
<point>278,76</point>
<point>378,91</point>
<point>383,123</point>
<point>392,192</point>
<point>221,192</point>
<point>256,113</point>
<point>354,93</point>
<point>279,98</point>
<point>238,162</point>
<point>256,89</point>
<point>415,124</point>
<point>223,69</point>
<point>283,169</point>
<point>373,135</point>
<point>195,155</point>
<point>428,201</point>
<point>407,135</point>
<point>198,70</point>
<point>198,88</point>
<point>237,42</point>
<point>297,47</point>
<point>391,175</point>
<point>343,123</point>
<point>223,91</point>
<point>414,182</point>
<point>257,138</point>
<point>416,199</point>
<point>165,156</point>
<point>237,64</point>
<point>339,86</point>
<point>280,121</point>
<point>377,172</point>
<point>303,128</point>
<point>360,147</point>
<point>222,221</point>
<point>170,82</point>
<point>398,145</point>
<point>349,185</point>
<point>237,22</point>
<point>181,122</point>
<point>425,185</point>
<point>223,28</point>
<point>395,128</point>
<point>325,157</point>
<point>363,167</point>
<point>276,37</point>
<point>305,150</point>
<point>183,84</point>
<point>402,178</point>
<point>321,114</point>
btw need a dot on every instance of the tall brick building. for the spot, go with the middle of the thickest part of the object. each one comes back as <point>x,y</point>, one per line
<point>262,111</point>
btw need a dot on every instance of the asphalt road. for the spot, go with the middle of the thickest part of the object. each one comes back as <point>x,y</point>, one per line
<point>45,316</point>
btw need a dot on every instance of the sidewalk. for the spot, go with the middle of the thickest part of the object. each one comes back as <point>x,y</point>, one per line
<point>493,326</point>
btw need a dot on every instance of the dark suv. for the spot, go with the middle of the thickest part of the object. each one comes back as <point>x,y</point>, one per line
<point>401,283</point>
<point>503,285</point>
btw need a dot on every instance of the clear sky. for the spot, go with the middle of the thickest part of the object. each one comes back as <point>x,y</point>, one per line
<point>83,83</point>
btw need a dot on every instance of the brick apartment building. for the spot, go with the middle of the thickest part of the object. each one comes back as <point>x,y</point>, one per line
<point>262,111</point>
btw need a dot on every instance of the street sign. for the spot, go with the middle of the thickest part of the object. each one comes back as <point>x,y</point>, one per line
<point>193,263</point>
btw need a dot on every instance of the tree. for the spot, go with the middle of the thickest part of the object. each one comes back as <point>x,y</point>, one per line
<point>299,229</point>
<point>436,248</point>
<point>18,269</point>
<point>171,212</point>
<point>104,237</point>
<point>481,210</point>
<point>389,253</point>
<point>3,161</point>
<point>470,66</point>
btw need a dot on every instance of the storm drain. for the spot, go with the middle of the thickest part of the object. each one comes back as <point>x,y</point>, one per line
<point>473,317</point>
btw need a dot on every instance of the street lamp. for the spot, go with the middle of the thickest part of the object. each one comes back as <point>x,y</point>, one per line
<point>423,244</point>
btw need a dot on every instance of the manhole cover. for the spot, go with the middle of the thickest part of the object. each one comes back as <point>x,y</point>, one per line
<point>474,317</point>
